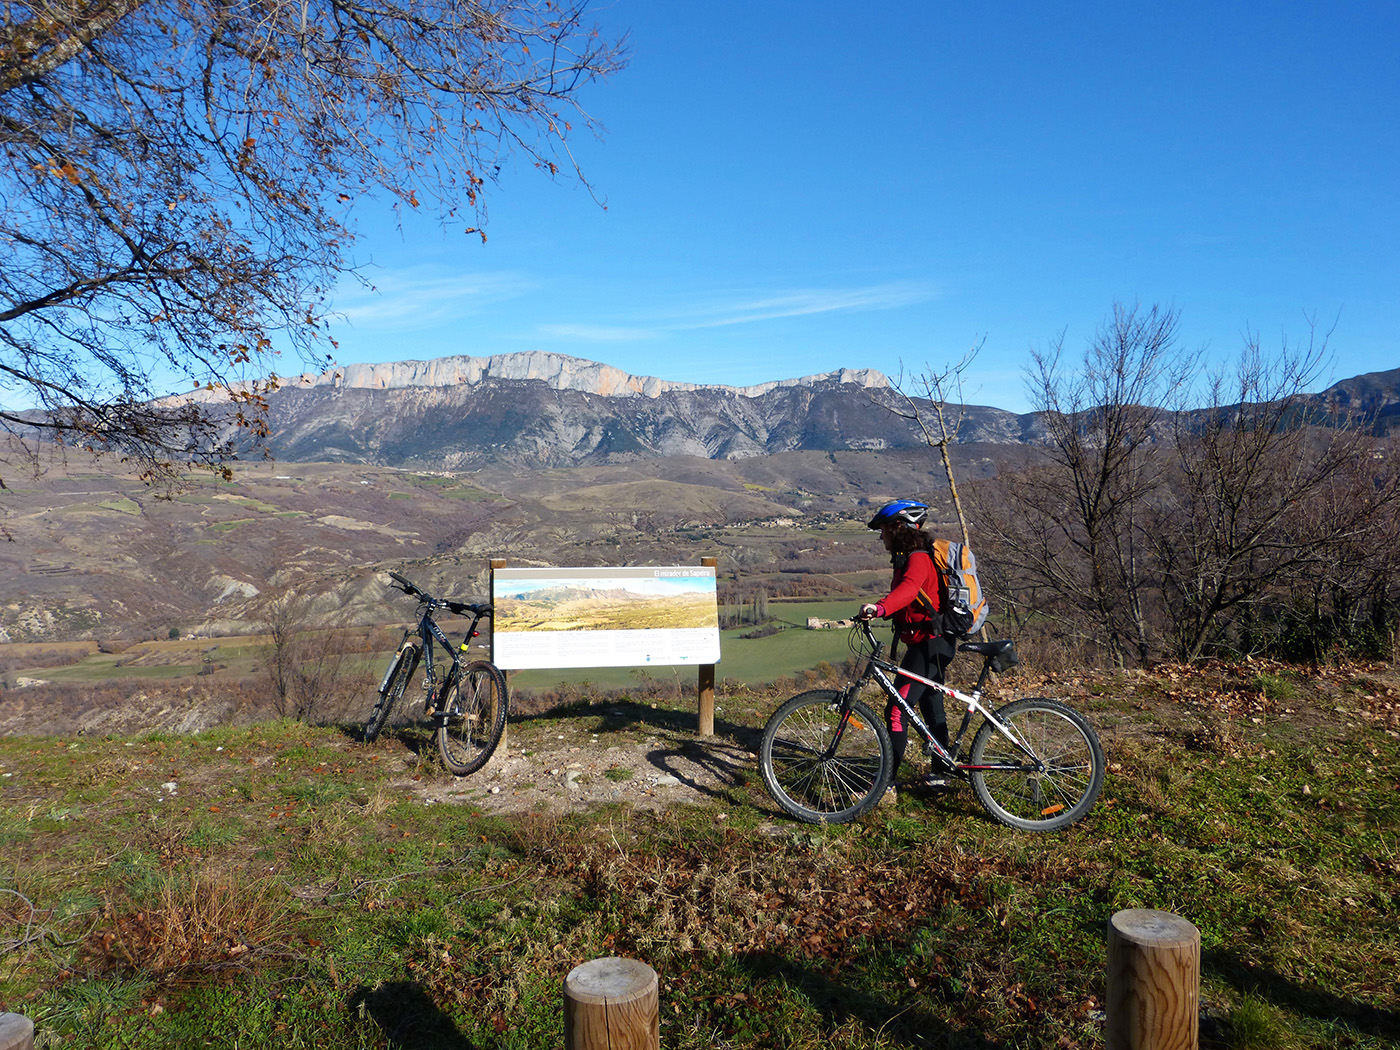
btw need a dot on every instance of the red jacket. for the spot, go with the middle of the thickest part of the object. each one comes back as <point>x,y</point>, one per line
<point>902,603</point>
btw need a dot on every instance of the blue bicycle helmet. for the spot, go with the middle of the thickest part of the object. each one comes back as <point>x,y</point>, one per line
<point>901,512</point>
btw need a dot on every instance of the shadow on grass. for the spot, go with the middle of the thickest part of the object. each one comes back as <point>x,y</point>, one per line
<point>415,734</point>
<point>408,1017</point>
<point>1285,992</point>
<point>903,1024</point>
<point>617,715</point>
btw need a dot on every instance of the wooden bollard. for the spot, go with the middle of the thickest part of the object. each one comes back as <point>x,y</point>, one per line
<point>612,1004</point>
<point>16,1032</point>
<point>1154,982</point>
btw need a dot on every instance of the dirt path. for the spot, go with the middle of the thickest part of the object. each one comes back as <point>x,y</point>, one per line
<point>628,753</point>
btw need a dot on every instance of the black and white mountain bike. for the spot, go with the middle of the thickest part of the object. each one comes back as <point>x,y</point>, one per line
<point>1035,764</point>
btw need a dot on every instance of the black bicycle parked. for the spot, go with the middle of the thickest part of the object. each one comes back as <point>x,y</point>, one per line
<point>468,706</point>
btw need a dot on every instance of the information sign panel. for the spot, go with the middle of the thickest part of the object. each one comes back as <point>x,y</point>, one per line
<point>605,617</point>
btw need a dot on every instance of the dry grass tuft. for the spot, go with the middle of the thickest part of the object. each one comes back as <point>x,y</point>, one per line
<point>203,923</point>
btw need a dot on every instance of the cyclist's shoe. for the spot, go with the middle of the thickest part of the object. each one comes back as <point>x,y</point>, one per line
<point>934,783</point>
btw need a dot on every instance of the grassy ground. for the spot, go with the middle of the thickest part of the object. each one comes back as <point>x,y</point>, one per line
<point>276,886</point>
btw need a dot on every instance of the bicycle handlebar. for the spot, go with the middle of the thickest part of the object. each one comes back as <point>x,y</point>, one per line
<point>452,605</point>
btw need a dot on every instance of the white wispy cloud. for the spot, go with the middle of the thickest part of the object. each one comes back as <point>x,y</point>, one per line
<point>424,298</point>
<point>739,309</point>
<point>597,333</point>
<point>889,296</point>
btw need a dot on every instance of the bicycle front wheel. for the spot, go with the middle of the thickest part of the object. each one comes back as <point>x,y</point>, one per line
<point>1053,786</point>
<point>392,690</point>
<point>822,765</point>
<point>473,717</point>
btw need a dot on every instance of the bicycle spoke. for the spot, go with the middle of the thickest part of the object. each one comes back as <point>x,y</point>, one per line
<point>1070,760</point>
<point>473,718</point>
<point>816,775</point>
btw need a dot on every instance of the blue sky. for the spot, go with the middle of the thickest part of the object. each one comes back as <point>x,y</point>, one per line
<point>793,188</point>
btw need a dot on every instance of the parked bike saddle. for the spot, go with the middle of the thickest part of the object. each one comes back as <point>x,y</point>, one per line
<point>483,609</point>
<point>988,648</point>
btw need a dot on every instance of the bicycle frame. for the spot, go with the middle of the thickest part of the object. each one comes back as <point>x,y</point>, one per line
<point>427,632</point>
<point>884,672</point>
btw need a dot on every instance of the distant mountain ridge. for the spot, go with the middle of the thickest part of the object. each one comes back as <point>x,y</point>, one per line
<point>545,410</point>
<point>1375,395</point>
<point>534,410</point>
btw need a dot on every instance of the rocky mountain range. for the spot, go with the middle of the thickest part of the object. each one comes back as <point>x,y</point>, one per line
<point>539,410</point>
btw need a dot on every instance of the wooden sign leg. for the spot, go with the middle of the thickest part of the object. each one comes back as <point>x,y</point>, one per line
<point>499,563</point>
<point>706,683</point>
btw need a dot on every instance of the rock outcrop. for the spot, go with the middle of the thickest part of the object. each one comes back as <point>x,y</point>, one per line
<point>556,371</point>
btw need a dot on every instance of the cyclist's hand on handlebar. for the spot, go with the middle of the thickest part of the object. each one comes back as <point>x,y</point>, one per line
<point>867,612</point>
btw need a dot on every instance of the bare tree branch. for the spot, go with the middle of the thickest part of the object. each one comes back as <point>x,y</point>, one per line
<point>176,199</point>
<point>934,388</point>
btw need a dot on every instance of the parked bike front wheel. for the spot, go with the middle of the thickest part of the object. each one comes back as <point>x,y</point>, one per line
<point>391,690</point>
<point>823,765</point>
<point>472,718</point>
<point>1070,760</point>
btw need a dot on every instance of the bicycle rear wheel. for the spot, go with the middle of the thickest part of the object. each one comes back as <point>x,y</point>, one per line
<point>473,717</point>
<point>392,690</point>
<point>1045,799</point>
<point>811,778</point>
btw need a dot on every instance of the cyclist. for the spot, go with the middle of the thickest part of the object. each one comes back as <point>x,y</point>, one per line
<point>913,605</point>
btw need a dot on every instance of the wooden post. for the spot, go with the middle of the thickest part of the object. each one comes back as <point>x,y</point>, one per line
<point>612,1004</point>
<point>1154,982</point>
<point>706,684</point>
<point>16,1032</point>
<point>498,563</point>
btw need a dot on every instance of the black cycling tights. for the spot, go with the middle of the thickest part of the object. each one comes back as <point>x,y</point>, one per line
<point>929,659</point>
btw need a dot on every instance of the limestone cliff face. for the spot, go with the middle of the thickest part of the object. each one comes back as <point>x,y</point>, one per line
<point>551,410</point>
<point>556,371</point>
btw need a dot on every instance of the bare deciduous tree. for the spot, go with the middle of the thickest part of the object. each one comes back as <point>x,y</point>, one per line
<point>1080,532</point>
<point>1263,493</point>
<point>179,175</point>
<point>309,669</point>
<point>1198,530</point>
